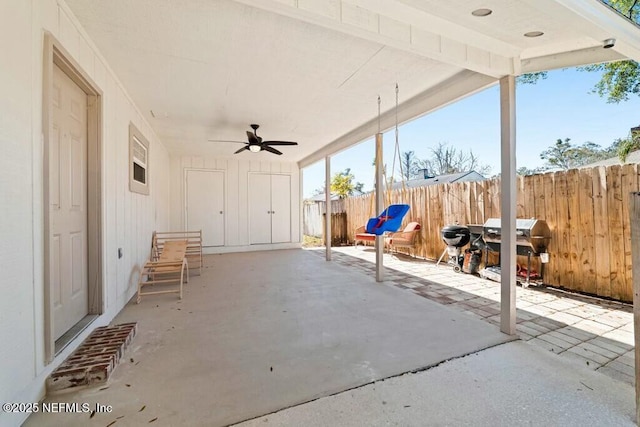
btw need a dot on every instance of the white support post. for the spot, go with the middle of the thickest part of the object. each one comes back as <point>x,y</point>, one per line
<point>634,213</point>
<point>379,208</point>
<point>327,215</point>
<point>508,205</point>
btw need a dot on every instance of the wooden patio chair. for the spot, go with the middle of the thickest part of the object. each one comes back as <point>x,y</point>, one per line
<point>405,238</point>
<point>194,245</point>
<point>165,267</point>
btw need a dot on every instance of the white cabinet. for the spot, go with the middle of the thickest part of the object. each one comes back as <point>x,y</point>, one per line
<point>269,208</point>
<point>205,205</point>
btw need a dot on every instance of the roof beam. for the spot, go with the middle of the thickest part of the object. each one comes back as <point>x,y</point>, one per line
<point>457,87</point>
<point>598,21</point>
<point>403,28</point>
<point>576,58</point>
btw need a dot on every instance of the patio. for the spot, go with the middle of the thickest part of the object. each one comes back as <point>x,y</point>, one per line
<point>593,332</point>
<point>263,331</point>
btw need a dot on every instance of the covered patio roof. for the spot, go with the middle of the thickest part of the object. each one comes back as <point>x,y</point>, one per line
<point>310,71</point>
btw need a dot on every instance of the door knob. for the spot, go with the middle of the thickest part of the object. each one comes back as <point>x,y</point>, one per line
<point>221,212</point>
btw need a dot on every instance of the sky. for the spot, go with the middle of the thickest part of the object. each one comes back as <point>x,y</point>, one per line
<point>561,106</point>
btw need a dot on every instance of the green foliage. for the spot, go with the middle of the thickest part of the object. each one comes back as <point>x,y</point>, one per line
<point>619,80</point>
<point>565,155</point>
<point>627,145</point>
<point>342,184</point>
<point>628,8</point>
<point>531,78</point>
<point>524,171</point>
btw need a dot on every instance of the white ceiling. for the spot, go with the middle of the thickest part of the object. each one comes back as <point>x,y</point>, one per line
<point>311,70</point>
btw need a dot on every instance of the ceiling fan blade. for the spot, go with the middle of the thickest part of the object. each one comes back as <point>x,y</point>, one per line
<point>279,143</point>
<point>226,140</point>
<point>252,138</point>
<point>271,150</point>
<point>246,147</point>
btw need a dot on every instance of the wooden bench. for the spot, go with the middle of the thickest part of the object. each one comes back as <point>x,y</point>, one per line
<point>194,245</point>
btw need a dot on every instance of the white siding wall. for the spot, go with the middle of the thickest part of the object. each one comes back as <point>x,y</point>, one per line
<point>237,197</point>
<point>128,218</point>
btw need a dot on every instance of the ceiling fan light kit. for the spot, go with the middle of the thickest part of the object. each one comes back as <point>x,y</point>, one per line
<point>256,144</point>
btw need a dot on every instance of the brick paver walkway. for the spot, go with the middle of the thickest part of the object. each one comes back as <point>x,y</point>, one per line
<point>593,332</point>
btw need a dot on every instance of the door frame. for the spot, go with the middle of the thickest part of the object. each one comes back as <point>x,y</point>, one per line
<point>54,53</point>
<point>185,213</point>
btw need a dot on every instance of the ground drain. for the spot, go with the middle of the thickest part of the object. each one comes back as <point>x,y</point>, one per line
<point>95,359</point>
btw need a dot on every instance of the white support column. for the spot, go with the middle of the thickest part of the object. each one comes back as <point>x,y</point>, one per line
<point>301,205</point>
<point>327,215</point>
<point>379,208</point>
<point>508,205</point>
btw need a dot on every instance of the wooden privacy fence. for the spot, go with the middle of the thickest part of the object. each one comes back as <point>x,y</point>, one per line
<point>313,216</point>
<point>587,211</point>
<point>339,235</point>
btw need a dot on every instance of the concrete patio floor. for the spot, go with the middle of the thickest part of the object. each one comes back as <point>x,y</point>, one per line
<point>261,331</point>
<point>591,332</point>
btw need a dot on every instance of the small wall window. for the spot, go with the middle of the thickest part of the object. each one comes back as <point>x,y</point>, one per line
<point>138,161</point>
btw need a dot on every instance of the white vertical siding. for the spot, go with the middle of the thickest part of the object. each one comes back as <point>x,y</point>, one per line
<point>18,285</point>
<point>127,218</point>
<point>237,195</point>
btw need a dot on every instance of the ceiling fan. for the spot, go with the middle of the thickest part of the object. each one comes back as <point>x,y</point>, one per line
<point>256,144</point>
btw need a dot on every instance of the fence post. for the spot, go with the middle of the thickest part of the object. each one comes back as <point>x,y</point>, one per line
<point>634,213</point>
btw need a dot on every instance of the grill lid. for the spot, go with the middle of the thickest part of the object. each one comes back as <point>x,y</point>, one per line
<point>455,235</point>
<point>532,233</point>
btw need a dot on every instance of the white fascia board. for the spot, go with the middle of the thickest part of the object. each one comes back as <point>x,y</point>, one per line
<point>453,89</point>
<point>599,21</point>
<point>592,55</point>
<point>349,18</point>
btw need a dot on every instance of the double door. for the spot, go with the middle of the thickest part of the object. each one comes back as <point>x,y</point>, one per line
<point>269,208</point>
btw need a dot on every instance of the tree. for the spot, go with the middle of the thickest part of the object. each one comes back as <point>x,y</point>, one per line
<point>620,79</point>
<point>524,171</point>
<point>564,155</point>
<point>342,184</point>
<point>627,145</point>
<point>409,165</point>
<point>446,160</point>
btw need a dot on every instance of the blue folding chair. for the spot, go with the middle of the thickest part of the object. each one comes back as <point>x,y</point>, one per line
<point>389,220</point>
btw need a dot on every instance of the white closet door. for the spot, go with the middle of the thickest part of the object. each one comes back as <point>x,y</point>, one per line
<point>259,208</point>
<point>280,208</point>
<point>205,205</point>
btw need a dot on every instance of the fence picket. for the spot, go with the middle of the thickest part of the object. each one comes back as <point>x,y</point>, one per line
<point>601,230</point>
<point>585,232</point>
<point>587,211</point>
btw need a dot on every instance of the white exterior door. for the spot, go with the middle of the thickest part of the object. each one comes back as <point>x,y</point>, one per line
<point>68,276</point>
<point>205,205</point>
<point>259,208</point>
<point>280,208</point>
